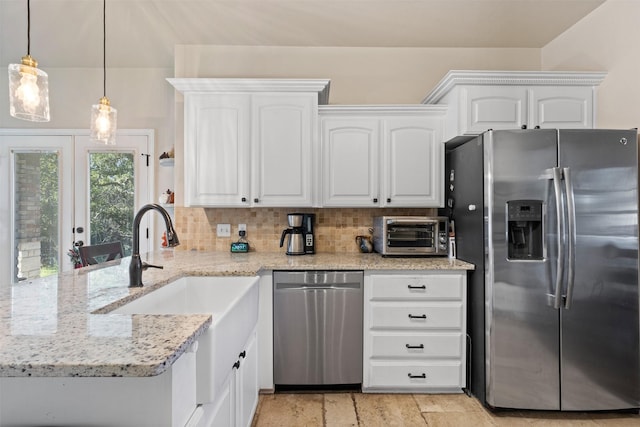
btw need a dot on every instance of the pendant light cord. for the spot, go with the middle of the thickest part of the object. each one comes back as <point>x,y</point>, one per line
<point>104,45</point>
<point>28,27</point>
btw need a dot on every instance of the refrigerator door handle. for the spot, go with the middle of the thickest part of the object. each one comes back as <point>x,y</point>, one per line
<point>571,236</point>
<point>561,226</point>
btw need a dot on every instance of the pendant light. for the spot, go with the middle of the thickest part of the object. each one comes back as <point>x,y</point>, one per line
<point>103,115</point>
<point>28,86</point>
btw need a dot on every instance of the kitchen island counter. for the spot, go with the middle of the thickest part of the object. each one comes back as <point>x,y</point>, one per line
<point>60,326</point>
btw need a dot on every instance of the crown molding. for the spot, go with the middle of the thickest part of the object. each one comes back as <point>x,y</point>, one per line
<point>204,85</point>
<point>512,78</point>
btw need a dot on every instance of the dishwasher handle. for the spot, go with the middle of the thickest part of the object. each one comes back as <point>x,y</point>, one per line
<point>308,287</point>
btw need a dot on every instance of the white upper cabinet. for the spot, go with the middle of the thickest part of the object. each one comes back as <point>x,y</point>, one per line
<point>413,160</point>
<point>350,158</point>
<point>382,156</point>
<point>217,156</point>
<point>248,142</point>
<point>283,131</point>
<point>482,100</point>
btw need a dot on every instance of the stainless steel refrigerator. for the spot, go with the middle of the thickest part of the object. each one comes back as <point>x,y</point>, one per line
<point>550,219</point>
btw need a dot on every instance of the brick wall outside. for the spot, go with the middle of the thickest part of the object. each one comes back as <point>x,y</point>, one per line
<point>27,215</point>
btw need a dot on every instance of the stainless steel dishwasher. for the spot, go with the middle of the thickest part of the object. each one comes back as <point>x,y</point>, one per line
<point>317,328</point>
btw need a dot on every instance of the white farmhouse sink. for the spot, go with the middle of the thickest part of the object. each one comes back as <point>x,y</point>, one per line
<point>233,304</point>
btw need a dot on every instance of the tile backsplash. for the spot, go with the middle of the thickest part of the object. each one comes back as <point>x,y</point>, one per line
<point>335,229</point>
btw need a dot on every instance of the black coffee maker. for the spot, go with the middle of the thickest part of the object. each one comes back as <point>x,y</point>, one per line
<point>308,222</point>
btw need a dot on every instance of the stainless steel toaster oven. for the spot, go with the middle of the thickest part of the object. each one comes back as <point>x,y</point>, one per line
<point>411,235</point>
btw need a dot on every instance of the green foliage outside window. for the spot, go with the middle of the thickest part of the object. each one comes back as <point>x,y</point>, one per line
<point>112,198</point>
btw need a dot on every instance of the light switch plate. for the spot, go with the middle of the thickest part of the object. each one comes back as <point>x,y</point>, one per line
<point>224,230</point>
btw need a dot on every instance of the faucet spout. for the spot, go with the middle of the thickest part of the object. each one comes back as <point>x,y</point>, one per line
<point>137,266</point>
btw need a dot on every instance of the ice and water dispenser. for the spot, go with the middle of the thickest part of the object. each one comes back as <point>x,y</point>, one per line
<point>524,230</point>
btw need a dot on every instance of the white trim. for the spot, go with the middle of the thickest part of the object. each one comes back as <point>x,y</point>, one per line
<point>392,109</point>
<point>512,78</point>
<point>71,132</point>
<point>198,85</point>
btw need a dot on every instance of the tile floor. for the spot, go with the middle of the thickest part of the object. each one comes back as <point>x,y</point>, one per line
<point>386,410</point>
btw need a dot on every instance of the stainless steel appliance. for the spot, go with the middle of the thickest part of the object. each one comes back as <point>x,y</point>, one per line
<point>301,239</point>
<point>550,219</point>
<point>295,233</point>
<point>411,235</point>
<point>317,328</point>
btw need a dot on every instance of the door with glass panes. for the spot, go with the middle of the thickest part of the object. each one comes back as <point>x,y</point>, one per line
<point>61,191</point>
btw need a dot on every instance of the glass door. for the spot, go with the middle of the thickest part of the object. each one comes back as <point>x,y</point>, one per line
<point>36,201</point>
<point>111,184</point>
<point>58,188</point>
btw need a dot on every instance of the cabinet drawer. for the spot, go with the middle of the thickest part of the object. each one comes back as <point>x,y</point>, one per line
<point>416,346</point>
<point>416,375</point>
<point>418,287</point>
<point>447,316</point>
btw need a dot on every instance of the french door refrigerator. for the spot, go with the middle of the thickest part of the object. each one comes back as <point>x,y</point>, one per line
<point>550,219</point>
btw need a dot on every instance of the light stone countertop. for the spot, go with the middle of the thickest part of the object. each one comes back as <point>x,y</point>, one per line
<point>60,326</point>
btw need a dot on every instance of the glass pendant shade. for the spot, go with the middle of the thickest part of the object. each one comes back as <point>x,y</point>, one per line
<point>28,91</point>
<point>103,122</point>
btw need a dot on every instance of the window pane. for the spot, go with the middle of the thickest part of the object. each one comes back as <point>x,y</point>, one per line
<point>111,198</point>
<point>36,215</point>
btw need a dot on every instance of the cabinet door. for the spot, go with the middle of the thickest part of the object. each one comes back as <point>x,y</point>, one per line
<point>216,150</point>
<point>350,164</point>
<point>413,162</point>
<point>282,132</point>
<point>561,107</point>
<point>492,107</point>
<point>222,414</point>
<point>247,384</point>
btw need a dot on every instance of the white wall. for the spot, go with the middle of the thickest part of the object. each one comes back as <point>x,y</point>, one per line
<point>358,75</point>
<point>608,40</point>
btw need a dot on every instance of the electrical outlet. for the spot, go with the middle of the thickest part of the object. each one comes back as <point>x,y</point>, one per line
<point>242,227</point>
<point>224,230</point>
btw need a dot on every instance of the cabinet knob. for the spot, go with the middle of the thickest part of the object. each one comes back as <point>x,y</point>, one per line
<point>388,200</point>
<point>236,365</point>
<point>243,354</point>
<point>523,127</point>
<point>375,200</point>
<point>255,200</point>
<point>244,199</point>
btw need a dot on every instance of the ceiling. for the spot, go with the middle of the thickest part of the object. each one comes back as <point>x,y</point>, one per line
<point>142,33</point>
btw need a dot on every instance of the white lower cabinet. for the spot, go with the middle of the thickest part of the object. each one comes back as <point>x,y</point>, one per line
<point>167,400</point>
<point>246,383</point>
<point>238,399</point>
<point>415,331</point>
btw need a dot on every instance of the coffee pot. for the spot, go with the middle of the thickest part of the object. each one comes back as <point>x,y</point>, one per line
<point>295,242</point>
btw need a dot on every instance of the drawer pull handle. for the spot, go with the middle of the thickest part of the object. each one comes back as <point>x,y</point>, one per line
<point>423,375</point>
<point>414,346</point>
<point>416,287</point>
<point>413,316</point>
